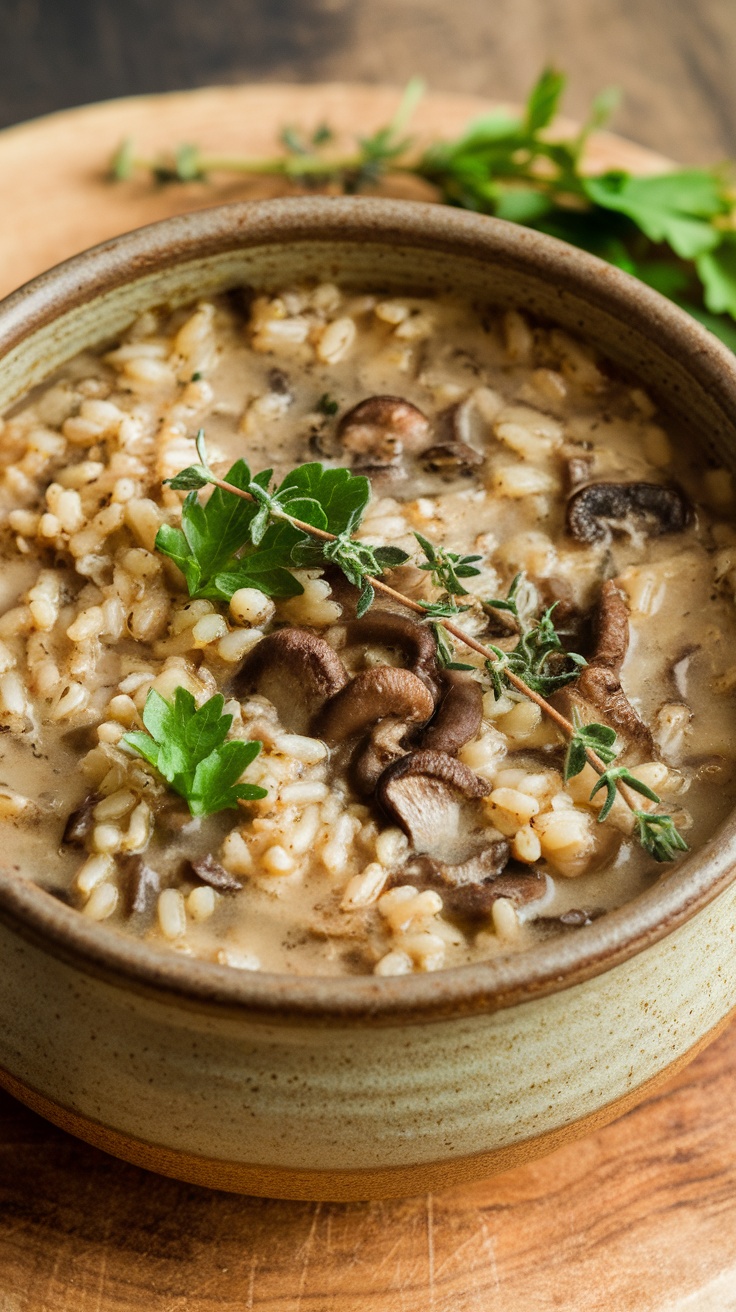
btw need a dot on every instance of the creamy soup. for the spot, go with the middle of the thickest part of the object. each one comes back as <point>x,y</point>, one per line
<point>413,819</point>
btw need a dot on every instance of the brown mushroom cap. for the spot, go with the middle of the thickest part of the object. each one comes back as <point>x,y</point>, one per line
<point>423,792</point>
<point>471,888</point>
<point>458,717</point>
<point>371,696</point>
<point>594,509</point>
<point>295,670</point>
<point>379,430</point>
<point>415,641</point>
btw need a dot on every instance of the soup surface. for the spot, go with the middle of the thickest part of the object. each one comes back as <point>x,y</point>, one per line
<point>413,819</point>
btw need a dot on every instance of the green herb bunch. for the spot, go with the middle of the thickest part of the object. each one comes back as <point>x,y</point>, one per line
<point>674,230</point>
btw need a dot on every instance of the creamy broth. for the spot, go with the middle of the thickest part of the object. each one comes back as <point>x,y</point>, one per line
<point>488,425</point>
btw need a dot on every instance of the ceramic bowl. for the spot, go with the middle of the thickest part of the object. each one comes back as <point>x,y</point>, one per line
<point>363,1087</point>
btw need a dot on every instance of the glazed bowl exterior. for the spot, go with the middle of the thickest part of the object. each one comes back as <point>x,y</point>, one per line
<point>363,1087</point>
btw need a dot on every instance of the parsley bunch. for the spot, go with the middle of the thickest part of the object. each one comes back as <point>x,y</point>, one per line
<point>673,230</point>
<point>187,746</point>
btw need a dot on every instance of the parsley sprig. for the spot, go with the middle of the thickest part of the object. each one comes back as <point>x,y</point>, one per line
<point>257,539</point>
<point>534,667</point>
<point>188,747</point>
<point>672,230</point>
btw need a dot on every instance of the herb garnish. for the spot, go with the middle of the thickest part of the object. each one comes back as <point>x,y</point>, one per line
<point>187,746</point>
<point>227,543</point>
<point>534,667</point>
<point>672,230</point>
<point>539,657</point>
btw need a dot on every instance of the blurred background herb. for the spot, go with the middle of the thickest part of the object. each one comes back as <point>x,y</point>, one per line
<point>674,230</point>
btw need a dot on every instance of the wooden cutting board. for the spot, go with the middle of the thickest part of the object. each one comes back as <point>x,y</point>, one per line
<point>640,1217</point>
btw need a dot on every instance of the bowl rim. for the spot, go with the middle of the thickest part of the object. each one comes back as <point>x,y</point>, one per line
<point>507,979</point>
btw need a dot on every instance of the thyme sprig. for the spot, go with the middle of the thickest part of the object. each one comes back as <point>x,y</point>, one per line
<point>656,833</point>
<point>673,230</point>
<point>527,668</point>
<point>539,657</point>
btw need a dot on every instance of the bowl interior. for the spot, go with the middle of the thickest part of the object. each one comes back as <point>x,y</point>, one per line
<point>394,247</point>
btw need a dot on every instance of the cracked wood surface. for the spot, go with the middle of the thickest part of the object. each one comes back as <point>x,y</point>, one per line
<point>640,1217</point>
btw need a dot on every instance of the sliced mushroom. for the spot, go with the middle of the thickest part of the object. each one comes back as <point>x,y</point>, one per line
<point>470,889</point>
<point>387,628</point>
<point>452,455</point>
<point>598,685</point>
<point>212,873</point>
<point>424,793</point>
<point>295,670</point>
<point>611,628</point>
<point>141,884</point>
<point>598,507</point>
<point>451,459</point>
<point>80,822</point>
<point>386,744</point>
<point>379,430</point>
<point>371,696</point>
<point>458,717</point>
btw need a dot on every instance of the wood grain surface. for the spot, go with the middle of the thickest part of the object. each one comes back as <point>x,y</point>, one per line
<point>640,1217</point>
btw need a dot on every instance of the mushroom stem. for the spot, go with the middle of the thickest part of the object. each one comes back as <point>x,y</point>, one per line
<point>629,795</point>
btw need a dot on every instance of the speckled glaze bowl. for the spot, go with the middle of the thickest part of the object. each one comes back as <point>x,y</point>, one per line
<point>363,1087</point>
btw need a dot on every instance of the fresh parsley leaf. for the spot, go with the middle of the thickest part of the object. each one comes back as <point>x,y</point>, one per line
<point>227,542</point>
<point>341,496</point>
<point>717,272</point>
<point>188,747</point>
<point>674,207</point>
<point>544,99</point>
<point>522,205</point>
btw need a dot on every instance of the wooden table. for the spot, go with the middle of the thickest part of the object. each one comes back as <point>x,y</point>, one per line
<point>640,1217</point>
